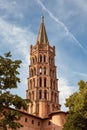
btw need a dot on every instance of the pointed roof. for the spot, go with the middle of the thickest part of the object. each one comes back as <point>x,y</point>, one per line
<point>42,35</point>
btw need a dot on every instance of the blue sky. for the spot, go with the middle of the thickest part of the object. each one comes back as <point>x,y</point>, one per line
<point>66,26</point>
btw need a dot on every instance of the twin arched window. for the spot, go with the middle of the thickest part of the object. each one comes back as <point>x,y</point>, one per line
<point>33,72</point>
<point>42,70</point>
<point>42,58</point>
<point>45,94</point>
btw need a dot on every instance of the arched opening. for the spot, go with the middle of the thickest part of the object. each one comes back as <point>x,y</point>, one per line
<point>55,97</point>
<point>51,83</point>
<point>44,82</point>
<point>40,94</point>
<point>44,70</point>
<point>52,96</point>
<point>40,70</point>
<point>40,58</point>
<point>44,58</point>
<point>33,83</point>
<point>30,84</point>
<point>40,82</point>
<point>45,94</point>
<point>33,95</point>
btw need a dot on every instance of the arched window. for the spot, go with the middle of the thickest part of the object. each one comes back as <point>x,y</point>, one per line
<point>52,96</point>
<point>55,97</point>
<point>51,83</point>
<point>44,58</point>
<point>32,60</point>
<point>30,83</point>
<point>33,83</point>
<point>40,82</point>
<point>44,70</point>
<point>44,82</point>
<point>40,70</point>
<point>33,95</point>
<point>40,94</point>
<point>40,58</point>
<point>50,72</point>
<point>54,84</point>
<point>45,94</point>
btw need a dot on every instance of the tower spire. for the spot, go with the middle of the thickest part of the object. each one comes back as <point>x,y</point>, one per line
<point>42,35</point>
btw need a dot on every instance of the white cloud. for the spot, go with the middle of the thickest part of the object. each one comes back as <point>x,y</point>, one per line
<point>18,39</point>
<point>65,91</point>
<point>67,32</point>
<point>11,8</point>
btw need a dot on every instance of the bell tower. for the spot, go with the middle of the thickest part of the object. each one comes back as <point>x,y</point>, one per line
<point>42,82</point>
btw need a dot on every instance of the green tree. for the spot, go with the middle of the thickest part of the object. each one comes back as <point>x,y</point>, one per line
<point>9,80</point>
<point>77,104</point>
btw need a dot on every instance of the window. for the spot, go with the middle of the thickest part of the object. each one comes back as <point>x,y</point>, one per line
<point>45,94</point>
<point>33,60</point>
<point>44,70</point>
<point>40,82</point>
<point>32,121</point>
<point>40,94</point>
<point>40,70</point>
<point>25,119</point>
<point>44,58</point>
<point>30,83</point>
<point>40,58</point>
<point>49,123</point>
<point>44,82</point>
<point>33,95</point>
<point>33,82</point>
<point>38,123</point>
<point>51,83</point>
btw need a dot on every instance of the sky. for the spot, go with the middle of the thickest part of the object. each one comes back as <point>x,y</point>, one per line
<point>66,26</point>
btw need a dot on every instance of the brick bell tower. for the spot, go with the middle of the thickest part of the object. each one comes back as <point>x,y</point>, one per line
<point>42,81</point>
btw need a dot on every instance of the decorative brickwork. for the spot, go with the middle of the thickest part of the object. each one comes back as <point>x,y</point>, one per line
<point>42,81</point>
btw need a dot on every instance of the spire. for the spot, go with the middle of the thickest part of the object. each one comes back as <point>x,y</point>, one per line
<point>42,36</point>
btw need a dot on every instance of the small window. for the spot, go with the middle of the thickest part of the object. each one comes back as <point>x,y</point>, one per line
<point>40,58</point>
<point>40,94</point>
<point>38,123</point>
<point>44,58</point>
<point>49,123</point>
<point>44,82</point>
<point>44,70</point>
<point>40,70</point>
<point>25,119</point>
<point>40,82</point>
<point>32,121</point>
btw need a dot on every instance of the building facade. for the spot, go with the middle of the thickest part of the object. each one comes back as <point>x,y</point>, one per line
<point>44,111</point>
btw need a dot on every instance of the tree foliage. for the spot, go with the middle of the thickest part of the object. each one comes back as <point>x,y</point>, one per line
<point>77,104</point>
<point>9,80</point>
